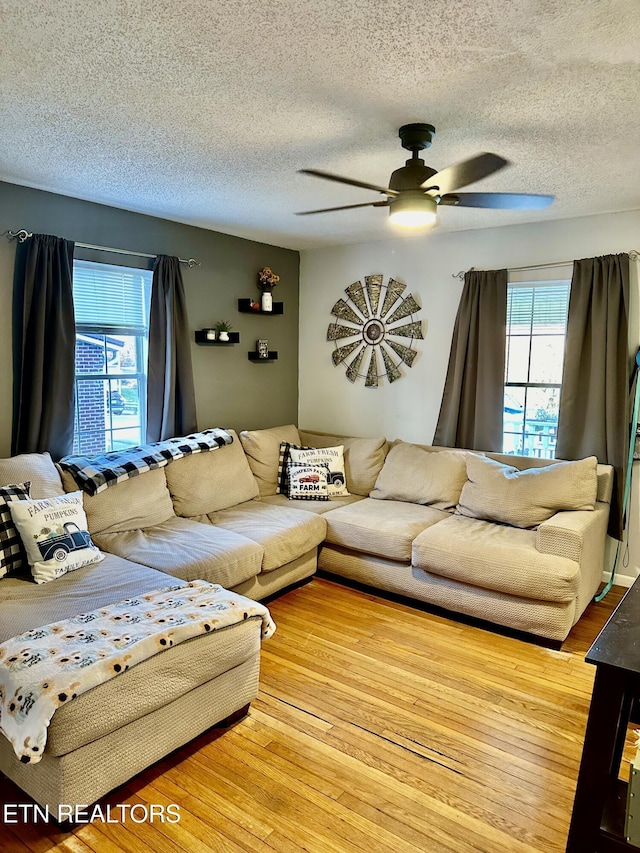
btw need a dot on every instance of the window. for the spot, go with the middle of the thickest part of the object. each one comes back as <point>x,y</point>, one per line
<point>536,330</point>
<point>112,325</point>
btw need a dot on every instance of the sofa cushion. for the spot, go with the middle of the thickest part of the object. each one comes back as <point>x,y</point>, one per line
<point>411,473</point>
<point>207,482</point>
<point>38,469</point>
<point>141,501</point>
<point>363,457</point>
<point>383,528</point>
<point>604,472</point>
<point>285,534</point>
<point>502,493</point>
<point>188,549</point>
<point>496,557</point>
<point>262,447</point>
<point>311,506</point>
<point>25,605</point>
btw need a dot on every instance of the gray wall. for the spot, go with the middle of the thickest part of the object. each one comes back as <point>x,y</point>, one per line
<point>231,391</point>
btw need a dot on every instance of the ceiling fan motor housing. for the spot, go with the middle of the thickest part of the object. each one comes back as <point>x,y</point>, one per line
<point>416,137</point>
<point>411,175</point>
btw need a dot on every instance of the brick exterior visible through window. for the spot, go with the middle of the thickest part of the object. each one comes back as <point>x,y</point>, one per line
<point>91,403</point>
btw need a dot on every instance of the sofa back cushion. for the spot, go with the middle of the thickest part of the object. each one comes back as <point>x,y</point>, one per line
<point>207,482</point>
<point>411,473</point>
<point>262,447</point>
<point>502,493</point>
<point>38,469</point>
<point>605,472</point>
<point>133,504</point>
<point>363,457</point>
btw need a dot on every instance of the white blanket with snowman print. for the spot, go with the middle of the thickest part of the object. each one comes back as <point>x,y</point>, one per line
<point>46,667</point>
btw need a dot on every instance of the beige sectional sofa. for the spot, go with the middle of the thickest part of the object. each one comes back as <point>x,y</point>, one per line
<point>217,516</point>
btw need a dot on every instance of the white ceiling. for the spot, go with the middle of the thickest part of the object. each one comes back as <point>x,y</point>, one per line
<point>202,111</point>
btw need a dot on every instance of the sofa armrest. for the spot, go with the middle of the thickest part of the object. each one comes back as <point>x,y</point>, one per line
<point>576,535</point>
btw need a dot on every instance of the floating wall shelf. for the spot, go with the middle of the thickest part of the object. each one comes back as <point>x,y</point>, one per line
<point>244,307</point>
<point>201,338</point>
<point>273,355</point>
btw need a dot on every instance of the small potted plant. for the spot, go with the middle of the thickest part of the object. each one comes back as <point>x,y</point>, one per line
<point>267,280</point>
<point>222,330</point>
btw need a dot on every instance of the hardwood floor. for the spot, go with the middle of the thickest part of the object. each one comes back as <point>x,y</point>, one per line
<point>378,727</point>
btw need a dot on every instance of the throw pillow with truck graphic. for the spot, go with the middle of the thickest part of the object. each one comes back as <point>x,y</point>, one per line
<point>308,482</point>
<point>54,534</point>
<point>333,457</point>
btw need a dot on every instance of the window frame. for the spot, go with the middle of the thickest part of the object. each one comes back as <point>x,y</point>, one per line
<point>523,436</point>
<point>140,375</point>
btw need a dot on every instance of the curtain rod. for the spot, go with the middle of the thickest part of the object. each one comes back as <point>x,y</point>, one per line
<point>23,235</point>
<point>634,254</point>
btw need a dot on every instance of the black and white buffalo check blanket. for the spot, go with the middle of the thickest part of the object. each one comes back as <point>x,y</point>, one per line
<point>96,473</point>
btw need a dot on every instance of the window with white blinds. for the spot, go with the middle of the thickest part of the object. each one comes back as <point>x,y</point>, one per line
<point>111,305</point>
<point>536,330</point>
<point>111,296</point>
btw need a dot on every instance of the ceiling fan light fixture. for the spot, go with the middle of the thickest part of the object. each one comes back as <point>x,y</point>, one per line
<point>413,210</point>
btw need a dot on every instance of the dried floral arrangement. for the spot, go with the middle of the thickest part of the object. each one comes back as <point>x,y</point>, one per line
<point>267,279</point>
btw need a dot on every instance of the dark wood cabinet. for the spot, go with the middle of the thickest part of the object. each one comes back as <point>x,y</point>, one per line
<point>597,821</point>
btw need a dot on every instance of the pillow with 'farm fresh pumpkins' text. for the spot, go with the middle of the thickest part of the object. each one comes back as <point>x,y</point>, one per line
<point>333,457</point>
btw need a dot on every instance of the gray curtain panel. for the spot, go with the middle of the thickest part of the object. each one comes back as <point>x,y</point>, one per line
<point>171,404</point>
<point>44,340</point>
<point>473,399</point>
<point>594,403</point>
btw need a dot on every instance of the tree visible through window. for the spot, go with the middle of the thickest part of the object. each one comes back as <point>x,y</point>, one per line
<point>111,306</point>
<point>536,331</point>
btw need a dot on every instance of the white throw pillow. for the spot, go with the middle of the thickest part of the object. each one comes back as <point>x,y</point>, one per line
<point>308,482</point>
<point>334,457</point>
<point>54,534</point>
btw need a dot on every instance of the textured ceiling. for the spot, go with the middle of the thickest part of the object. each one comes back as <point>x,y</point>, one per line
<point>202,111</point>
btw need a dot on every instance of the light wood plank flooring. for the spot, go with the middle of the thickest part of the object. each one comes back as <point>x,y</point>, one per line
<point>379,727</point>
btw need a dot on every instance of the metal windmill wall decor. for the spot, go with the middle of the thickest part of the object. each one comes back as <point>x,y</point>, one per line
<point>373,309</point>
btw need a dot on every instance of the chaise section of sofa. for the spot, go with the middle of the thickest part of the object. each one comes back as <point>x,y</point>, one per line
<point>107,735</point>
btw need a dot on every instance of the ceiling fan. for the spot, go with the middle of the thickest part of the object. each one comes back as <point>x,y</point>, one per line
<point>415,191</point>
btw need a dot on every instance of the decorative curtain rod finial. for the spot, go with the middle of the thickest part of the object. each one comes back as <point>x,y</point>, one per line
<point>20,235</point>
<point>461,274</point>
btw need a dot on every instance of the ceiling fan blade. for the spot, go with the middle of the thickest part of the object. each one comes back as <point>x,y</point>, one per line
<point>344,207</point>
<point>499,201</point>
<point>329,176</point>
<point>466,172</point>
